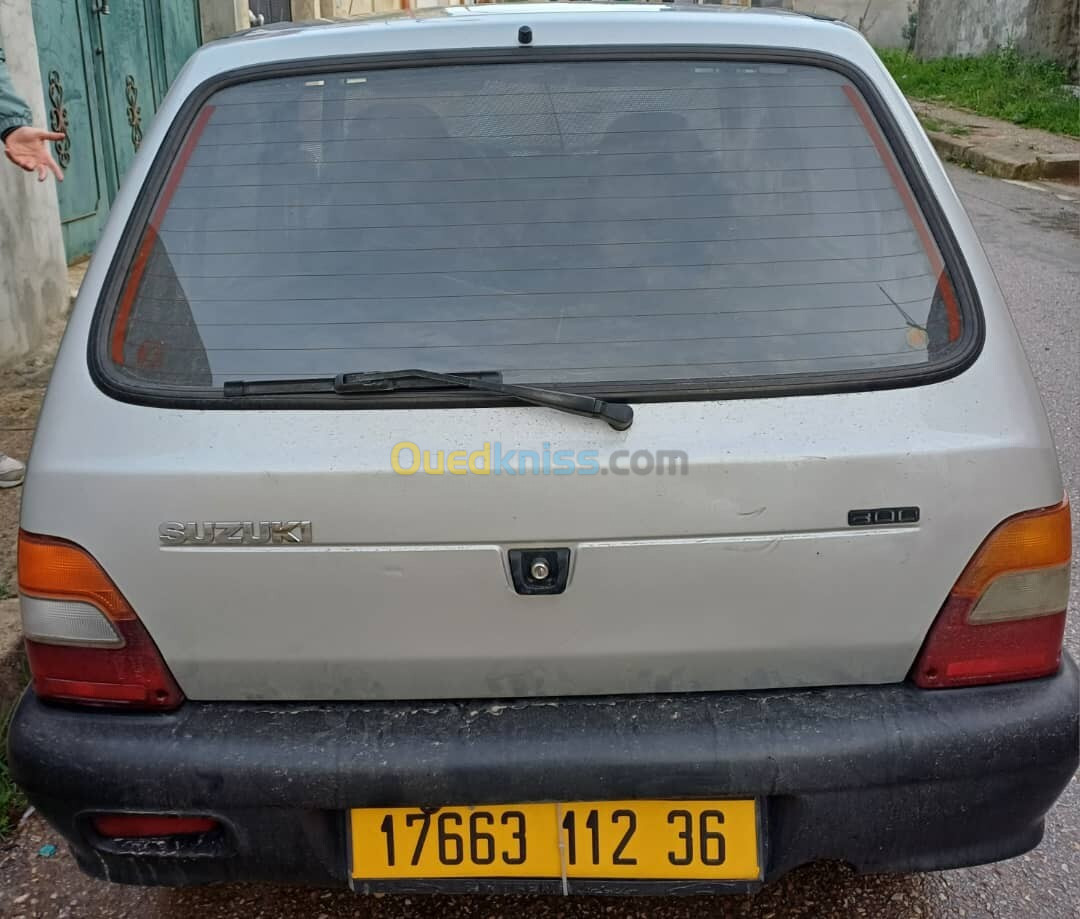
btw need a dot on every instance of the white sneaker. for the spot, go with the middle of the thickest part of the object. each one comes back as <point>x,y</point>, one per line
<point>12,472</point>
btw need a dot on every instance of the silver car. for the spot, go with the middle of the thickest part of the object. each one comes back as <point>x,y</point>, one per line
<point>542,447</point>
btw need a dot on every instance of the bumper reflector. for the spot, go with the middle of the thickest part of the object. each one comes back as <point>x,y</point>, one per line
<point>143,826</point>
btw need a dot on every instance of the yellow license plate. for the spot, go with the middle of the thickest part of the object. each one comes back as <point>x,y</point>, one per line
<point>681,840</point>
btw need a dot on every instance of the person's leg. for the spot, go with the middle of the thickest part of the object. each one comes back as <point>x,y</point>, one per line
<point>12,471</point>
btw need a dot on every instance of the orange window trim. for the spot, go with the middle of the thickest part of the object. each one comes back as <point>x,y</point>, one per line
<point>929,244</point>
<point>150,237</point>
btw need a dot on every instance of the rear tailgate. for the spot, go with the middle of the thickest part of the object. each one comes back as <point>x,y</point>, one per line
<point>741,573</point>
<point>656,230</point>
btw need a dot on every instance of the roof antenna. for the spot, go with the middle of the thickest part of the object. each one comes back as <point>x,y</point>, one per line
<point>524,36</point>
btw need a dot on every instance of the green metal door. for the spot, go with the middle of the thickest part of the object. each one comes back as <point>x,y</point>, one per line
<point>107,65</point>
<point>179,35</point>
<point>126,34</point>
<point>67,59</point>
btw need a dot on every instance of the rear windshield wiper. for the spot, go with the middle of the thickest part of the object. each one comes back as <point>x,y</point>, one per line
<point>618,415</point>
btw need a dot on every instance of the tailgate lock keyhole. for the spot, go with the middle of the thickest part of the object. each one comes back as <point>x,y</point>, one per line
<point>539,571</point>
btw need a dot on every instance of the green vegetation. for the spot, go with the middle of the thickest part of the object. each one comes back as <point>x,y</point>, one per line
<point>5,591</point>
<point>12,802</point>
<point>1007,85</point>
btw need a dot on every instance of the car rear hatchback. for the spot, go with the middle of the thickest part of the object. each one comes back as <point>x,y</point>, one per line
<point>565,448</point>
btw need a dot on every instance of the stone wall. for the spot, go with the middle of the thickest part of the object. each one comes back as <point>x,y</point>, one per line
<point>33,270</point>
<point>222,17</point>
<point>1048,28</point>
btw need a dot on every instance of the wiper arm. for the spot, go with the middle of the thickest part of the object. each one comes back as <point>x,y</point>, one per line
<point>616,414</point>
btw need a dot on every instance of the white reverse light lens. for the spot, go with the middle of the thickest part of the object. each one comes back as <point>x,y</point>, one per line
<point>1023,595</point>
<point>67,622</point>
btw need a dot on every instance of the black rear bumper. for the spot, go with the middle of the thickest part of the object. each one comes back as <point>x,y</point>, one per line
<point>886,778</point>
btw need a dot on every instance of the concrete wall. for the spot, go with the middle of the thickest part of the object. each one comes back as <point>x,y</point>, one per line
<point>881,21</point>
<point>959,27</point>
<point>222,17</point>
<point>1049,28</point>
<point>1054,30</point>
<point>33,271</point>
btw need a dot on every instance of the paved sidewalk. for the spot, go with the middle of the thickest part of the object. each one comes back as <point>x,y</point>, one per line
<point>999,148</point>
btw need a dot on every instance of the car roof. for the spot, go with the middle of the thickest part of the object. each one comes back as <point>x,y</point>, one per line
<point>554,25</point>
<point>533,7</point>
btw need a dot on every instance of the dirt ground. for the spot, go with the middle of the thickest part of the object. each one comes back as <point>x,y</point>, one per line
<point>21,390</point>
<point>22,387</point>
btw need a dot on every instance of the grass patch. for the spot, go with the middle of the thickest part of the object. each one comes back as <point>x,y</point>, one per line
<point>5,590</point>
<point>1005,84</point>
<point>12,802</point>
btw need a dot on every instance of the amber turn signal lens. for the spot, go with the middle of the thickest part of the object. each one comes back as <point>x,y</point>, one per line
<point>1028,541</point>
<point>56,569</point>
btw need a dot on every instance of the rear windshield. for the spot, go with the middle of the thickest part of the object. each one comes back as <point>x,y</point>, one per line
<point>615,222</point>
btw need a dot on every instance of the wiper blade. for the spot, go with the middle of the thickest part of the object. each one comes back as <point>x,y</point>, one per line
<point>348,383</point>
<point>616,414</point>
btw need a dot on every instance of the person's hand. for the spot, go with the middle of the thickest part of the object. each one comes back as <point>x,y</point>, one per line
<point>28,148</point>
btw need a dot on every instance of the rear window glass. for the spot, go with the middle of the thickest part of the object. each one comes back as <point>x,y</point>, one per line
<point>564,223</point>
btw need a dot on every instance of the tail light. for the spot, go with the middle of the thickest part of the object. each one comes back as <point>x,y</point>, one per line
<point>1005,617</point>
<point>83,640</point>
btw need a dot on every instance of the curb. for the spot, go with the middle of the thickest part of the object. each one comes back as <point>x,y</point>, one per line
<point>1003,166</point>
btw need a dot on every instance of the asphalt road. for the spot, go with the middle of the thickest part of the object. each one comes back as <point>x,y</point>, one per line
<point>1032,236</point>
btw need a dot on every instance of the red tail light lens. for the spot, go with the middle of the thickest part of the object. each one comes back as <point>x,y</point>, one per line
<point>142,826</point>
<point>83,640</point>
<point>1004,619</point>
